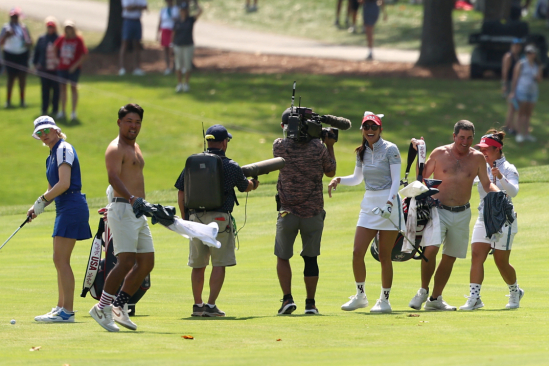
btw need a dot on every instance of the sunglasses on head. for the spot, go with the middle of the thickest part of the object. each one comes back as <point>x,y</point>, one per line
<point>45,131</point>
<point>368,127</point>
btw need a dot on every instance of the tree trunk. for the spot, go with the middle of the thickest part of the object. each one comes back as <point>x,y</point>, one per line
<point>437,38</point>
<point>113,36</point>
<point>496,9</point>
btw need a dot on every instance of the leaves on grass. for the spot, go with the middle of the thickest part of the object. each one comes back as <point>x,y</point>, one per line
<point>424,321</point>
<point>413,315</point>
<point>37,348</point>
<point>278,340</point>
<point>187,337</point>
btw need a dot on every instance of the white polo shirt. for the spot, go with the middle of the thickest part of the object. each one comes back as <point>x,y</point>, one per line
<point>132,14</point>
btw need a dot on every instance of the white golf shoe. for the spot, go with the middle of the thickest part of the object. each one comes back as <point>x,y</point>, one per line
<point>438,305</point>
<point>381,306</point>
<point>41,318</point>
<point>472,304</point>
<point>418,300</point>
<point>514,299</point>
<point>120,315</point>
<point>104,317</point>
<point>356,302</point>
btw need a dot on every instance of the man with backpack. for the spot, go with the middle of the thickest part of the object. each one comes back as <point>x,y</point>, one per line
<point>230,174</point>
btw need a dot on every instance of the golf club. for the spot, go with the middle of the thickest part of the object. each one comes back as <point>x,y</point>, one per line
<point>379,211</point>
<point>19,228</point>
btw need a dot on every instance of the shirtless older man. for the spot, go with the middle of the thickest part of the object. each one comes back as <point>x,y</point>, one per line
<point>456,165</point>
<point>132,242</point>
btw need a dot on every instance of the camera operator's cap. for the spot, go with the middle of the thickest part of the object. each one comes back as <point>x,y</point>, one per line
<point>43,122</point>
<point>530,49</point>
<point>490,140</point>
<point>217,133</point>
<point>370,116</point>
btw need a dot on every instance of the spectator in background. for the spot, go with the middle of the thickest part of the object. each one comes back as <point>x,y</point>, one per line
<point>338,12</point>
<point>183,45</point>
<point>45,61</point>
<point>352,10</point>
<point>16,42</point>
<point>526,76</point>
<point>509,61</point>
<point>72,53</point>
<point>517,9</point>
<point>251,8</point>
<point>168,15</point>
<point>370,14</point>
<point>132,32</point>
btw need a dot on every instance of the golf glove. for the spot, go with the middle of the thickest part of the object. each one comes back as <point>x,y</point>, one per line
<point>39,206</point>
<point>386,213</point>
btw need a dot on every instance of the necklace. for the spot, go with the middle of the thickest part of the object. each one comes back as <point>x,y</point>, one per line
<point>458,160</point>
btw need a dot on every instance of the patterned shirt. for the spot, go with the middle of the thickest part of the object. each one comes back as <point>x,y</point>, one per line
<point>376,164</point>
<point>233,177</point>
<point>300,181</point>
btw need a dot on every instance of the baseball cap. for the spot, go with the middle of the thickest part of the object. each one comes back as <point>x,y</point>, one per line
<point>68,23</point>
<point>217,133</point>
<point>530,49</point>
<point>15,11</point>
<point>44,122</point>
<point>183,5</point>
<point>490,140</point>
<point>370,116</point>
<point>517,41</point>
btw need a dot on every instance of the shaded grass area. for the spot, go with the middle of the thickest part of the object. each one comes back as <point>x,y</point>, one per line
<point>251,332</point>
<point>250,106</point>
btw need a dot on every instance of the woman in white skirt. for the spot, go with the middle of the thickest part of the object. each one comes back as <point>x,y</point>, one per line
<point>506,177</point>
<point>378,165</point>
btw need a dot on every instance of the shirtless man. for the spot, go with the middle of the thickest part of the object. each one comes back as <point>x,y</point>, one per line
<point>132,242</point>
<point>456,165</point>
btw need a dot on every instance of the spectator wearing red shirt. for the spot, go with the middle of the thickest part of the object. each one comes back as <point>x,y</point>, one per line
<point>72,53</point>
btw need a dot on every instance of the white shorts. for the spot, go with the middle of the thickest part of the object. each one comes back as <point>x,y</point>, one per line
<point>130,234</point>
<point>369,220</point>
<point>503,242</point>
<point>454,232</point>
<point>183,57</point>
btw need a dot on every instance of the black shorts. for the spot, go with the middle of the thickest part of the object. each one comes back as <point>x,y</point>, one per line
<point>16,63</point>
<point>353,5</point>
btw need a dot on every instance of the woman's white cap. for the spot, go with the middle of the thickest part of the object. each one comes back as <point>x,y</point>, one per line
<point>44,122</point>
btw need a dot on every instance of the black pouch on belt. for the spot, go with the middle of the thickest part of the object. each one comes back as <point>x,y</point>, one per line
<point>278,204</point>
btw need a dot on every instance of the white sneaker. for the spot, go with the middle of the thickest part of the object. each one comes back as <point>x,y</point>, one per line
<point>530,138</point>
<point>138,72</point>
<point>60,316</point>
<point>179,88</point>
<point>519,138</point>
<point>381,306</point>
<point>472,303</point>
<point>168,71</point>
<point>186,87</point>
<point>514,299</point>
<point>73,116</point>
<point>356,302</point>
<point>120,315</point>
<point>60,115</point>
<point>122,72</point>
<point>40,318</point>
<point>418,300</point>
<point>104,317</point>
<point>438,305</point>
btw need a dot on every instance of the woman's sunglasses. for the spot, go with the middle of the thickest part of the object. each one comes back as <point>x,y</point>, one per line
<point>45,131</point>
<point>368,127</point>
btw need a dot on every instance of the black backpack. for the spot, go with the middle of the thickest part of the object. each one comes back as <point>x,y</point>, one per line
<point>98,269</point>
<point>204,182</point>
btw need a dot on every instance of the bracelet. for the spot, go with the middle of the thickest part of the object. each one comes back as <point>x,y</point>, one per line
<point>131,198</point>
<point>44,198</point>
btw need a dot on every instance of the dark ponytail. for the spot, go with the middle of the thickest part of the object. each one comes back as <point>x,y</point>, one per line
<point>361,149</point>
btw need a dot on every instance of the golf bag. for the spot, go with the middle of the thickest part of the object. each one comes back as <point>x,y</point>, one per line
<point>98,269</point>
<point>424,202</point>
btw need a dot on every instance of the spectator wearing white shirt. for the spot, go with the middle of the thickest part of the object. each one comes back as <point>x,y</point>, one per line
<point>168,15</point>
<point>132,32</point>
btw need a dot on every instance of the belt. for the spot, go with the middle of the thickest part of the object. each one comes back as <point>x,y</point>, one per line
<point>456,208</point>
<point>192,211</point>
<point>120,199</point>
<point>70,192</point>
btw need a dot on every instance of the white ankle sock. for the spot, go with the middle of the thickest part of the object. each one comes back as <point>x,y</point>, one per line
<point>385,292</point>
<point>474,290</point>
<point>514,287</point>
<point>360,290</point>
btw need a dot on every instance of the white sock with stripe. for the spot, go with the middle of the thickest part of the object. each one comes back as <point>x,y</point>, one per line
<point>105,300</point>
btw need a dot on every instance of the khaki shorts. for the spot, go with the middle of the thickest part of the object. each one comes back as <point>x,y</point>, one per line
<point>454,232</point>
<point>130,234</point>
<point>503,242</point>
<point>287,228</point>
<point>200,253</point>
<point>183,57</point>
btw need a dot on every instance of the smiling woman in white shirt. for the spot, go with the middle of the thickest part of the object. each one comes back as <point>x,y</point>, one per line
<point>378,165</point>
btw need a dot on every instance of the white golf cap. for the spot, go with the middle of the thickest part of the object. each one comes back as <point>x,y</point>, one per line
<point>44,122</point>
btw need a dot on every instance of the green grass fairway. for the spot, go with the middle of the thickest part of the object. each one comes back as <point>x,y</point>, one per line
<point>249,333</point>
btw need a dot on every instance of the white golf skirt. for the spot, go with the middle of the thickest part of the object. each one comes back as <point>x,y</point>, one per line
<point>369,220</point>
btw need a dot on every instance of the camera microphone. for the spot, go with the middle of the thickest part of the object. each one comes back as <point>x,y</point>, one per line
<point>263,167</point>
<point>337,122</point>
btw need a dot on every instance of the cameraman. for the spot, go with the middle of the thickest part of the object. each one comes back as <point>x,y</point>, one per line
<point>301,209</point>
<point>218,138</point>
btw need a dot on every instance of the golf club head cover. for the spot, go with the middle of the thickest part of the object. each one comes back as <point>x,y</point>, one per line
<point>422,154</point>
<point>412,153</point>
